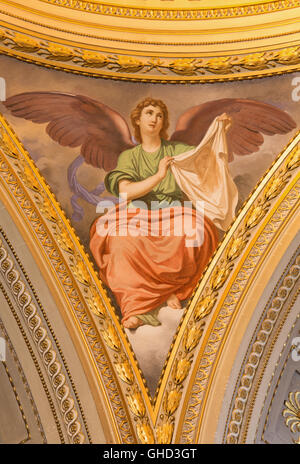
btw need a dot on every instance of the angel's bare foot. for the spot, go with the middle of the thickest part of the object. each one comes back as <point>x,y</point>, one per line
<point>174,302</point>
<point>132,322</point>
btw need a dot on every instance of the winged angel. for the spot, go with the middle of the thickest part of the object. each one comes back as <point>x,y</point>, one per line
<point>155,265</point>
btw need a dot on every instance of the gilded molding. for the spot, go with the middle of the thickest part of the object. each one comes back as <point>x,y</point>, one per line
<point>174,14</point>
<point>36,364</point>
<point>291,304</point>
<point>291,413</point>
<point>257,352</point>
<point>73,57</point>
<point>44,345</point>
<point>137,417</point>
<point>264,364</point>
<point>28,435</point>
<point>209,355</point>
<point>255,214</point>
<point>121,40</point>
<point>24,381</point>
<point>11,252</point>
<point>278,380</point>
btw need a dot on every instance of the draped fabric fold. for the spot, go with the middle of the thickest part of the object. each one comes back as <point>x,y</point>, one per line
<point>143,271</point>
<point>202,174</point>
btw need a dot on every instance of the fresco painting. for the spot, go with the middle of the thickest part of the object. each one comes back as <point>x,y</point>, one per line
<point>143,155</point>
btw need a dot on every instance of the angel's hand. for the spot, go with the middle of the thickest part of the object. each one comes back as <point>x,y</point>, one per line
<point>163,166</point>
<point>226,119</point>
<point>251,120</point>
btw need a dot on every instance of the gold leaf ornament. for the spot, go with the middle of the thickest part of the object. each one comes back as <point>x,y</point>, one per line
<point>28,177</point>
<point>47,209</point>
<point>96,306</point>
<point>136,404</point>
<point>79,269</point>
<point>220,275</point>
<point>294,159</point>
<point>292,411</point>
<point>94,59</point>
<point>125,372</point>
<point>204,307</point>
<point>59,52</point>
<point>181,370</point>
<point>289,55</point>
<point>275,186</point>
<point>63,239</point>
<point>220,64</point>
<point>145,433</point>
<point>256,213</point>
<point>185,66</point>
<point>2,35</point>
<point>23,42</point>
<point>111,337</point>
<point>235,247</point>
<point>128,64</point>
<point>192,337</point>
<point>7,144</point>
<point>255,61</point>
<point>164,433</point>
<point>171,402</point>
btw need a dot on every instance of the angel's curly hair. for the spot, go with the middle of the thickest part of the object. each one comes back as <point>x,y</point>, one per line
<point>136,113</point>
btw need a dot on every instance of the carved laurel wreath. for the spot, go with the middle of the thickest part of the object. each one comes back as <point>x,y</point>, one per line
<point>122,66</point>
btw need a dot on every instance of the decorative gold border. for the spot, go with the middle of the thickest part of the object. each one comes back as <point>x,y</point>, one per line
<point>181,68</point>
<point>24,381</point>
<point>36,364</point>
<point>292,413</point>
<point>13,269</point>
<point>28,437</point>
<point>263,367</point>
<point>46,349</point>
<point>175,14</point>
<point>273,395</point>
<point>287,311</point>
<point>279,377</point>
<point>134,415</point>
<point>249,250</point>
<point>263,336</point>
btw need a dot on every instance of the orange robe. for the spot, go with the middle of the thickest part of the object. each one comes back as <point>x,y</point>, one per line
<point>143,271</point>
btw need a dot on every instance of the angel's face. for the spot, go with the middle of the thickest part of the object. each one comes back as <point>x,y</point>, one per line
<point>151,120</point>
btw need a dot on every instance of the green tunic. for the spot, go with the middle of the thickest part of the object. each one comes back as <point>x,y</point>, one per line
<point>136,165</point>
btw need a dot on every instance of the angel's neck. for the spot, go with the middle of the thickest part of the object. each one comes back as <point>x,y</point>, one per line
<point>151,144</point>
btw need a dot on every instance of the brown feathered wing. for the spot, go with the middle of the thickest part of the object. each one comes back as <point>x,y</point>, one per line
<point>76,121</point>
<point>250,119</point>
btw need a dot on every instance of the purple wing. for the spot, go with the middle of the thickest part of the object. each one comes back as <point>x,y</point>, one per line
<point>76,121</point>
<point>250,119</point>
